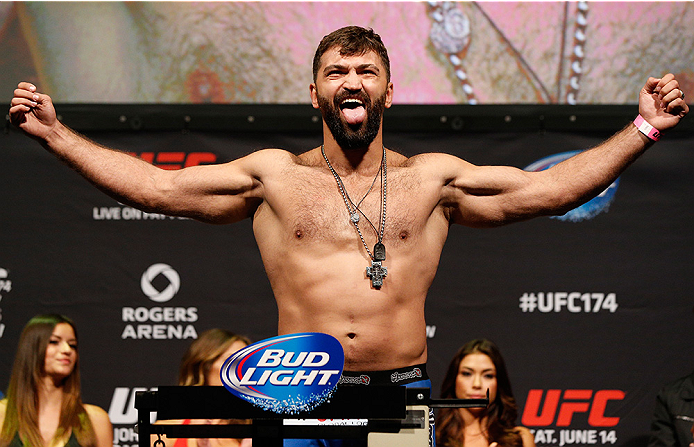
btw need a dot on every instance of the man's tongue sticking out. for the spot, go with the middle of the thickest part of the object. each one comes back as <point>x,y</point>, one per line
<point>353,111</point>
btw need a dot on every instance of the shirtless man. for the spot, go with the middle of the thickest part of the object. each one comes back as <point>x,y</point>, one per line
<point>304,207</point>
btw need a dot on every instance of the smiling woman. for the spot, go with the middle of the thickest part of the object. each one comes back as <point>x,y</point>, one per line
<point>44,406</point>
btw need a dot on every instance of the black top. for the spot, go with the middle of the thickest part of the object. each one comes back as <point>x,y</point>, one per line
<point>71,442</point>
<point>674,414</point>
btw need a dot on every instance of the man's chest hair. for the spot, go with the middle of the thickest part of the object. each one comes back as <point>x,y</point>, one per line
<point>315,209</point>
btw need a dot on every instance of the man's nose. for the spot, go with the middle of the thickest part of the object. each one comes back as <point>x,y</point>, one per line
<point>352,81</point>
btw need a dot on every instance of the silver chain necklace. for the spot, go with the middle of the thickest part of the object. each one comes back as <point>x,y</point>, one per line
<point>376,271</point>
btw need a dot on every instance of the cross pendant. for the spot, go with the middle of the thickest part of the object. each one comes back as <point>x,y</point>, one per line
<point>376,272</point>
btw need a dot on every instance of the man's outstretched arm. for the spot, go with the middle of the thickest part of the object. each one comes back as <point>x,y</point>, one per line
<point>496,195</point>
<point>214,193</point>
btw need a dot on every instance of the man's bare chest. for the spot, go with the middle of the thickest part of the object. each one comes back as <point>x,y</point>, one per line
<point>315,208</point>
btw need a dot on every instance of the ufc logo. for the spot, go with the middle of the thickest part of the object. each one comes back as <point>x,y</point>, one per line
<point>568,404</point>
<point>122,409</point>
<point>176,160</point>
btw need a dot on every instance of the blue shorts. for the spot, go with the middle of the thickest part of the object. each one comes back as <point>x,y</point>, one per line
<point>410,377</point>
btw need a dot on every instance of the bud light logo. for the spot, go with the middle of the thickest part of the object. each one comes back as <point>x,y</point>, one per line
<point>286,374</point>
<point>588,210</point>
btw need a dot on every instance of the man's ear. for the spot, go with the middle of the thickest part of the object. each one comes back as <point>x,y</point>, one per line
<point>389,95</point>
<point>314,95</point>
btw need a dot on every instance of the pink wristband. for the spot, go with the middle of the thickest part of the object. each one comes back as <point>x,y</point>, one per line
<point>646,129</point>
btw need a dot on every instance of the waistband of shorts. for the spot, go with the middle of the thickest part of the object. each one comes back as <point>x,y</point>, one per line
<point>400,376</point>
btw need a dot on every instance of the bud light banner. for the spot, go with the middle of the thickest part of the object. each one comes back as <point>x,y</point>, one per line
<point>287,374</point>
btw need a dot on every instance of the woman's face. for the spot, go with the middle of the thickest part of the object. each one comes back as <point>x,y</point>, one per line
<point>476,375</point>
<point>61,352</point>
<point>213,375</point>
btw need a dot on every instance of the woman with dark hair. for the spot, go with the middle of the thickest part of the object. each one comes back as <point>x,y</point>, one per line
<point>200,366</point>
<point>205,356</point>
<point>43,407</point>
<point>476,369</point>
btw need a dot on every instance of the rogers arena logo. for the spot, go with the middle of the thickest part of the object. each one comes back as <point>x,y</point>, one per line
<point>588,210</point>
<point>286,374</point>
<point>152,272</point>
<point>168,321</point>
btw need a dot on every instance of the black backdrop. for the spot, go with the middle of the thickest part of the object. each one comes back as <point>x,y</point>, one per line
<point>66,247</point>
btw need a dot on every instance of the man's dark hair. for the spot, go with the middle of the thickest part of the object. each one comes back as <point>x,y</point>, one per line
<point>352,41</point>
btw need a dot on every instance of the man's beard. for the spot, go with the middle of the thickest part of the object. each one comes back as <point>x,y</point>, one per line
<point>348,136</point>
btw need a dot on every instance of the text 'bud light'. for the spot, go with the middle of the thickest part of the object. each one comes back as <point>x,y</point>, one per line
<point>288,374</point>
